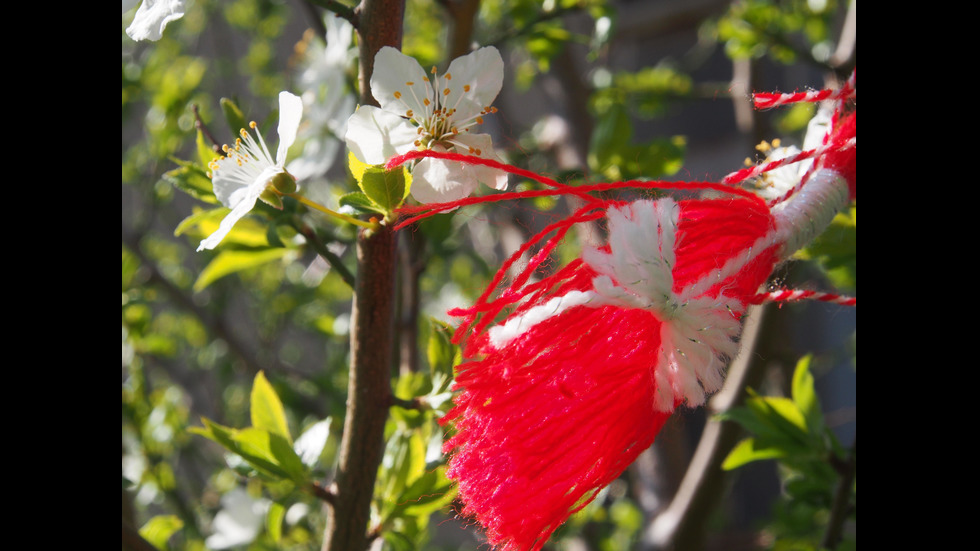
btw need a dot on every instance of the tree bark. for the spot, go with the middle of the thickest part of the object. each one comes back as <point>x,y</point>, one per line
<point>372,334</point>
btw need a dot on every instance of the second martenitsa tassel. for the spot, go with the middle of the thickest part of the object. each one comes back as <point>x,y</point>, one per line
<point>561,395</point>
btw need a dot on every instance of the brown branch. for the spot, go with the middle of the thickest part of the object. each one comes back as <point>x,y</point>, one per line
<point>341,9</point>
<point>368,393</point>
<point>842,501</point>
<point>322,493</point>
<point>372,333</point>
<point>199,124</point>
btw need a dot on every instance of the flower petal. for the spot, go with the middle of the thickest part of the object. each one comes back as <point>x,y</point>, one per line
<point>482,143</point>
<point>243,200</point>
<point>290,112</point>
<point>393,71</point>
<point>483,72</point>
<point>152,17</point>
<point>374,136</point>
<point>439,181</point>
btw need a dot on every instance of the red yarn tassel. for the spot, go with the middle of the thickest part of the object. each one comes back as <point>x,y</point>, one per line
<point>554,415</point>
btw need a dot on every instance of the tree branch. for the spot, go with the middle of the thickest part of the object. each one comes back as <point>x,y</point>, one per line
<point>842,501</point>
<point>341,9</point>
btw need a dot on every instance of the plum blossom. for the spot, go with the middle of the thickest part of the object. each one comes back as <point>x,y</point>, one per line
<point>775,183</point>
<point>437,113</point>
<point>248,169</point>
<point>152,17</point>
<point>327,100</point>
<point>239,521</point>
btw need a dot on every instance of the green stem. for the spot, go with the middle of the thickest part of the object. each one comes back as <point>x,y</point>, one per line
<point>317,206</point>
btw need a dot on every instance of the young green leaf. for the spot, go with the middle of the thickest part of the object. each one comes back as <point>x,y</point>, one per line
<point>805,396</point>
<point>272,449</point>
<point>750,450</point>
<point>386,189</point>
<point>160,528</point>
<point>361,202</point>
<point>273,521</point>
<point>234,116</point>
<point>231,261</point>
<point>266,409</point>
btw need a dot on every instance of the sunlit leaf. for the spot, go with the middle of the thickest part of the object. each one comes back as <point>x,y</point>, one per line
<point>159,529</point>
<point>266,408</point>
<point>749,450</point>
<point>273,521</point>
<point>231,261</point>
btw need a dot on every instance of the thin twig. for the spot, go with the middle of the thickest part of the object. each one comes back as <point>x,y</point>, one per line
<point>199,124</point>
<point>341,9</point>
<point>322,493</point>
<point>842,501</point>
<point>322,250</point>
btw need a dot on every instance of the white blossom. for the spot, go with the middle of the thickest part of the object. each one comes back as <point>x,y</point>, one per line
<point>248,168</point>
<point>239,520</point>
<point>327,100</point>
<point>437,113</point>
<point>152,17</point>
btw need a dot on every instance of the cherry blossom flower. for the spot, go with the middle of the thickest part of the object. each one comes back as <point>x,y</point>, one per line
<point>437,113</point>
<point>327,101</point>
<point>247,170</point>
<point>152,17</point>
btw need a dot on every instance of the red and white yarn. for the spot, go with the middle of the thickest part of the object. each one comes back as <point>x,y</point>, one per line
<point>559,397</point>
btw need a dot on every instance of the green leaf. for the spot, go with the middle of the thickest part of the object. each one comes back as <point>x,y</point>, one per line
<point>266,408</point>
<point>427,494</point>
<point>805,396</point>
<point>193,181</point>
<point>257,453</point>
<point>231,261</point>
<point>386,189</point>
<point>205,153</point>
<point>611,136</point>
<point>781,412</point>
<point>361,202</point>
<point>272,449</point>
<point>159,529</point>
<point>273,521</point>
<point>234,116</point>
<point>750,450</point>
<point>441,351</point>
<point>398,541</point>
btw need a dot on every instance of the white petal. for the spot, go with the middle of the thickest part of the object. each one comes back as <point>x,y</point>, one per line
<point>290,112</point>
<point>486,175</point>
<point>152,17</point>
<point>374,136</point>
<point>483,71</point>
<point>439,181</point>
<point>243,200</point>
<point>393,71</point>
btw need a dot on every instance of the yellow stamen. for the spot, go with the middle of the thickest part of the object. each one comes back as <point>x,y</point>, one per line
<point>252,125</point>
<point>466,87</point>
<point>398,95</point>
<point>448,76</point>
<point>409,113</point>
<point>426,102</point>
<point>409,83</point>
<point>445,92</point>
<point>479,120</point>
